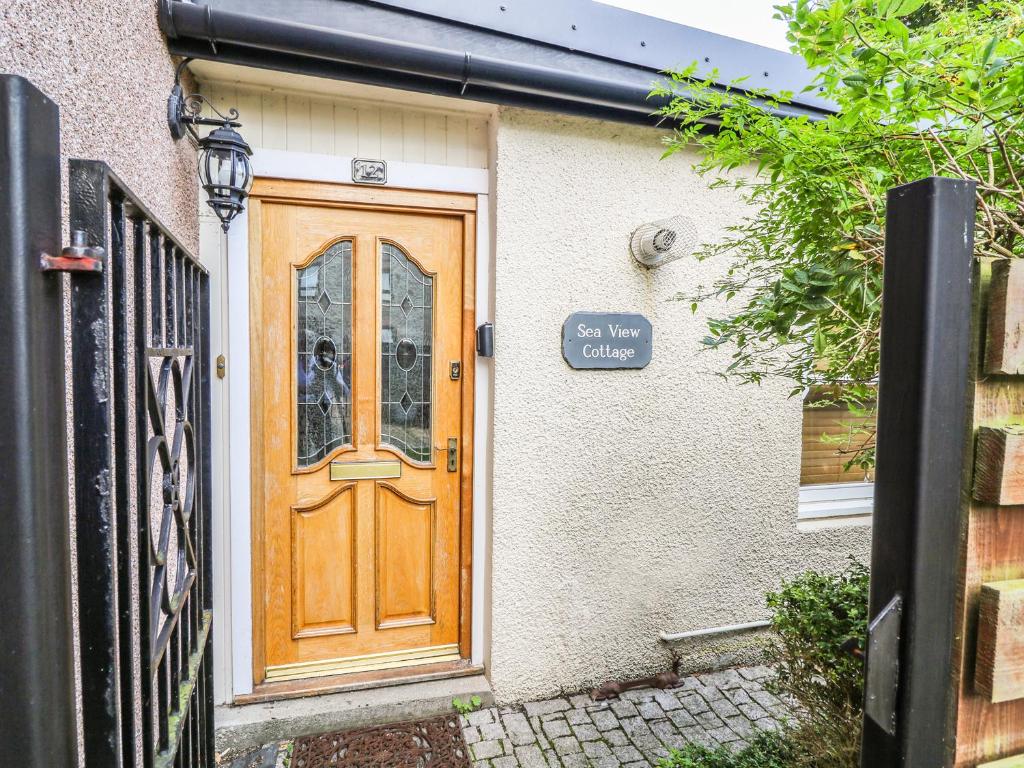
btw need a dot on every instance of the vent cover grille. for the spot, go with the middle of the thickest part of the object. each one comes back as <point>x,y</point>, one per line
<point>660,242</point>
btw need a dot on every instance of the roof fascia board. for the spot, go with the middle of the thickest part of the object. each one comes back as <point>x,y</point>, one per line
<point>628,37</point>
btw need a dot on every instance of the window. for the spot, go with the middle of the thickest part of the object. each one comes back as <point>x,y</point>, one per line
<point>832,434</point>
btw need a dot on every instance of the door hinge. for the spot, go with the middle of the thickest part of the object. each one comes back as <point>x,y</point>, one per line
<point>882,675</point>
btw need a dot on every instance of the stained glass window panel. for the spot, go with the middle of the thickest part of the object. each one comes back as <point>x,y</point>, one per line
<point>324,343</point>
<point>407,341</point>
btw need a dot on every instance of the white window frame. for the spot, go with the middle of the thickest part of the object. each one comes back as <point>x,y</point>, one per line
<point>836,500</point>
<point>832,501</point>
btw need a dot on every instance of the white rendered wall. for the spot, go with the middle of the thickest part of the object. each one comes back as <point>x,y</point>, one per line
<point>624,502</point>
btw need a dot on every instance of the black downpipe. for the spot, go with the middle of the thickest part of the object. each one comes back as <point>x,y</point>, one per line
<point>36,682</point>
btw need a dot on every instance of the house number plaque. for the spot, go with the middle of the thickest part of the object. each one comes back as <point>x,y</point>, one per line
<point>369,171</point>
<point>607,340</point>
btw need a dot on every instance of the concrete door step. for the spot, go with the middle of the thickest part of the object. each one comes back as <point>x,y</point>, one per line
<point>252,725</point>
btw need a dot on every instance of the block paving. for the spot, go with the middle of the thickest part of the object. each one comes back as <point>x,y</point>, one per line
<point>634,731</point>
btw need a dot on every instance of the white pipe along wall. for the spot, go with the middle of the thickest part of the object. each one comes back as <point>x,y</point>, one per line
<point>701,634</point>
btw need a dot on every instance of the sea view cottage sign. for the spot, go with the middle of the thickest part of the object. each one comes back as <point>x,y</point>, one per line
<point>607,340</point>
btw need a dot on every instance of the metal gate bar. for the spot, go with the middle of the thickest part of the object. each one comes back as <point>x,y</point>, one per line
<point>140,344</point>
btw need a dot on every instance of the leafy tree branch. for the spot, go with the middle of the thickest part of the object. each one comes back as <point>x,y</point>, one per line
<point>920,90</point>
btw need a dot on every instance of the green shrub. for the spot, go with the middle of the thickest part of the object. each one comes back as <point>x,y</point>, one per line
<point>768,749</point>
<point>812,615</point>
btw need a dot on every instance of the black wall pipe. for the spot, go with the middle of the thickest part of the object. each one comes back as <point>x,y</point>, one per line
<point>202,31</point>
<point>37,728</point>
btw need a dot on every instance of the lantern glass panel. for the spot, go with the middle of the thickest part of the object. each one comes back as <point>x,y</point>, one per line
<point>222,165</point>
<point>243,173</point>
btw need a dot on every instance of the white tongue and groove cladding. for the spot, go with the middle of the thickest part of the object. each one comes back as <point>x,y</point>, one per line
<point>624,502</point>
<point>303,122</point>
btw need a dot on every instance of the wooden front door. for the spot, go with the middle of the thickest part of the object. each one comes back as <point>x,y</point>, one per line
<point>362,354</point>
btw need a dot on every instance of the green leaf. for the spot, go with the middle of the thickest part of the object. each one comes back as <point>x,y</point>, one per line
<point>819,342</point>
<point>898,30</point>
<point>891,8</point>
<point>990,48</point>
<point>975,137</point>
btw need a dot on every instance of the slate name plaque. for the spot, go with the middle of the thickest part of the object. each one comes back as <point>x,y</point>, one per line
<point>607,340</point>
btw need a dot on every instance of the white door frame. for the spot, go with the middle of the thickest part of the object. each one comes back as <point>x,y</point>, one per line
<point>236,547</point>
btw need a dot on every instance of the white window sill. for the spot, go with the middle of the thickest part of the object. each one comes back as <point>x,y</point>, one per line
<point>836,504</point>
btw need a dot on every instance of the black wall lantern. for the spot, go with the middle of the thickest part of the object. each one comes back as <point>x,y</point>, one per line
<point>224,167</point>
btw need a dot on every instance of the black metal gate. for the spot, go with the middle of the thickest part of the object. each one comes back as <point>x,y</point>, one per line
<point>140,476</point>
<point>141,384</point>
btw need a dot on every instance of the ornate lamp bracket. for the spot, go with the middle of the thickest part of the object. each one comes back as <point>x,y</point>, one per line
<point>185,112</point>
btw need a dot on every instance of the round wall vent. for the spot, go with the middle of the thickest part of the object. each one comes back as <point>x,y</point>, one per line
<point>660,242</point>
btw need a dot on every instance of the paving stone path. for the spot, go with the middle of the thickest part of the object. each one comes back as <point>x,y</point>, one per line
<point>635,731</point>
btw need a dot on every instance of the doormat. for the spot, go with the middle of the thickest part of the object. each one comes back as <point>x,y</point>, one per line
<point>433,743</point>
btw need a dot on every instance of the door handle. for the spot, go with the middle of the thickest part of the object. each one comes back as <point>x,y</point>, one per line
<point>452,451</point>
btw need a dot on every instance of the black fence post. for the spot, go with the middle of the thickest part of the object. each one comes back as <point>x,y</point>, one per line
<point>922,434</point>
<point>37,727</point>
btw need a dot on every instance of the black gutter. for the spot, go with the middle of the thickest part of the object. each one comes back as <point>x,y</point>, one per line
<point>202,31</point>
<point>280,62</point>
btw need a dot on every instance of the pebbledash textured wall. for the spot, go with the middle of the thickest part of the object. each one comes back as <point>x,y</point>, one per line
<point>624,502</point>
<point>106,65</point>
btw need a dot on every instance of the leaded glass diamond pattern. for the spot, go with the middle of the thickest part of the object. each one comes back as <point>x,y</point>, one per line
<point>407,341</point>
<point>324,380</point>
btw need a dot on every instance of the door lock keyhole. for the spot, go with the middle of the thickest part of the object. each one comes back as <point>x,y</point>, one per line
<point>453,454</point>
